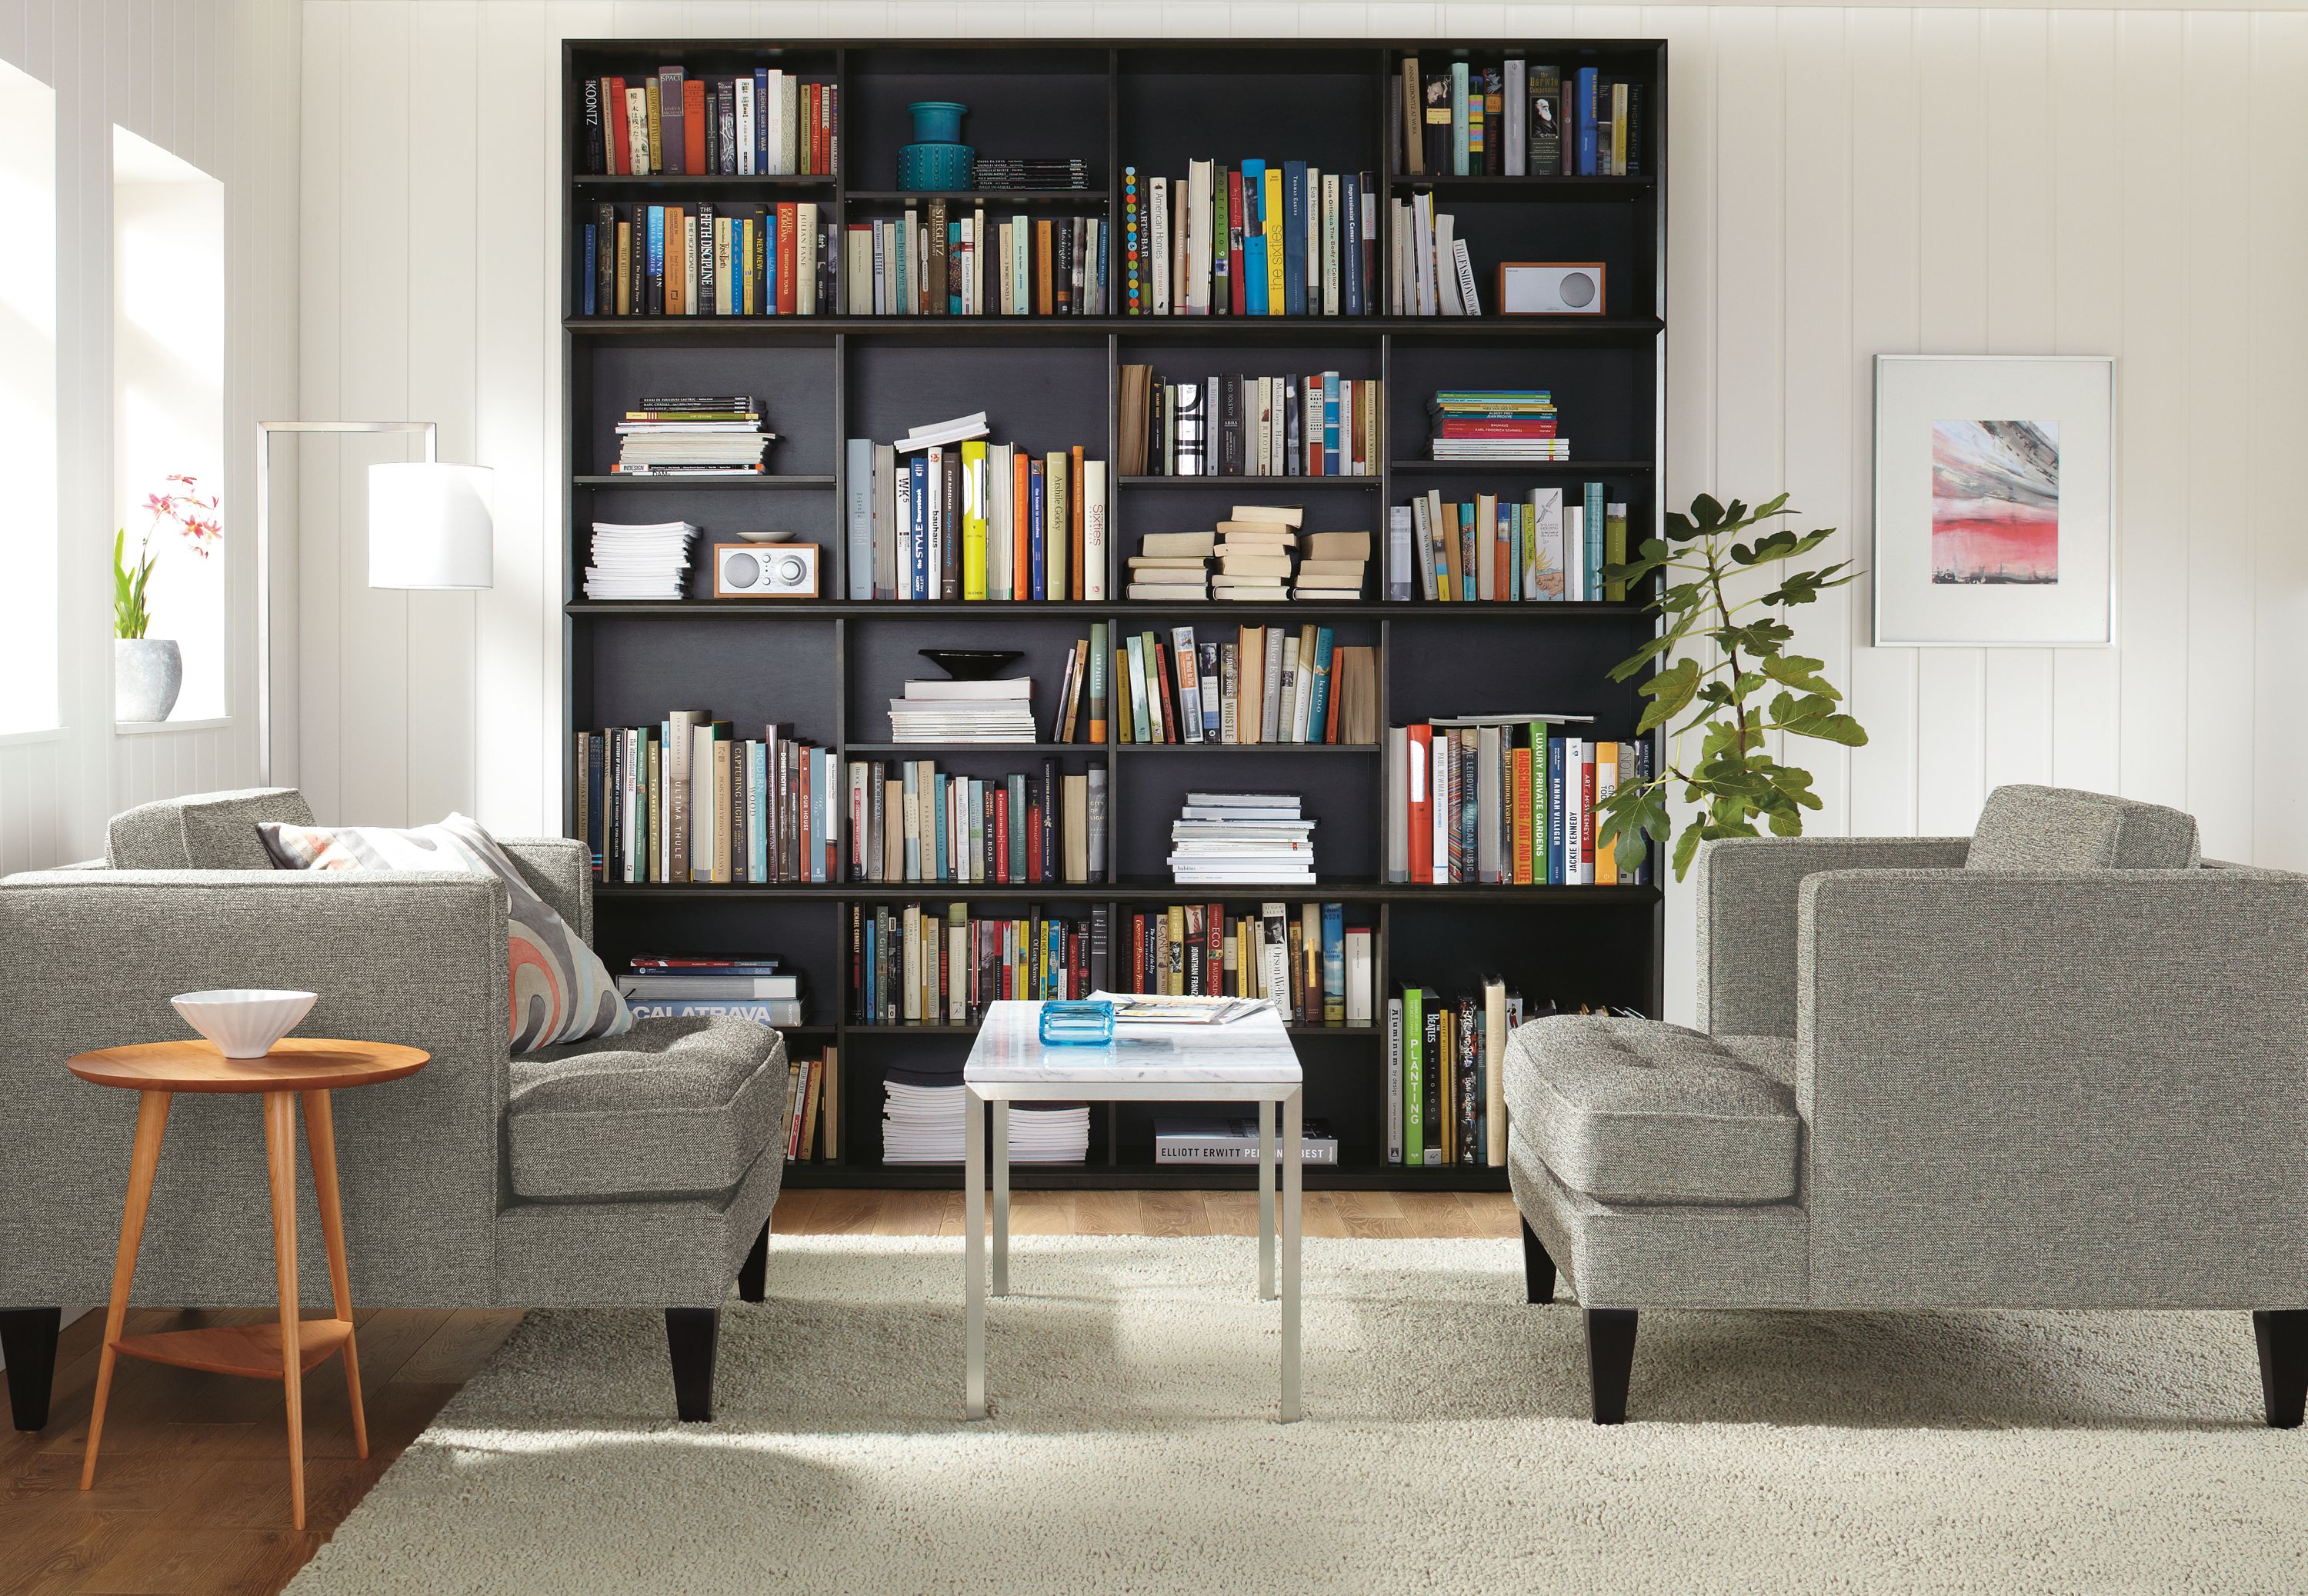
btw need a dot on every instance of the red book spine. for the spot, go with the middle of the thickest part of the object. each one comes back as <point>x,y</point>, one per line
<point>1312,416</point>
<point>832,128</point>
<point>807,768</point>
<point>1001,834</point>
<point>788,222</point>
<point>1419,809</point>
<point>1214,949</point>
<point>1473,428</point>
<point>692,125</point>
<point>1235,286</point>
<point>1171,731</point>
<point>1033,829</point>
<point>621,131</point>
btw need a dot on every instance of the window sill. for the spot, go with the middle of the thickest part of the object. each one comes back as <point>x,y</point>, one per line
<point>139,728</point>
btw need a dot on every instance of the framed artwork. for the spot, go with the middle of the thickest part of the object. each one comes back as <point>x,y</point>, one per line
<point>1994,501</point>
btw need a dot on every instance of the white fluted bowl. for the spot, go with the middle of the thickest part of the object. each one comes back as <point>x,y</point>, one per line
<point>244,1022</point>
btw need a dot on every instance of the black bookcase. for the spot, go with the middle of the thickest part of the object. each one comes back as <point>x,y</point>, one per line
<point>825,665</point>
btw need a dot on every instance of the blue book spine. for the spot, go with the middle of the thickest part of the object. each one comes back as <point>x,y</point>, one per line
<point>757,817</point>
<point>1254,239</point>
<point>1330,424</point>
<point>1294,237</point>
<point>592,264</point>
<point>1594,539</point>
<point>1334,962</point>
<point>761,120</point>
<point>657,251</point>
<point>1350,246</point>
<point>1583,106</point>
<point>1318,713</point>
<point>1459,164</point>
<point>1470,573</point>
<point>1555,811</point>
<point>919,578</point>
<point>1036,553</point>
<point>1099,305</point>
<point>770,262</point>
<point>735,266</point>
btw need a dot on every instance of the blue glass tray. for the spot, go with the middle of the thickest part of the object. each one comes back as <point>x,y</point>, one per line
<point>1077,1023</point>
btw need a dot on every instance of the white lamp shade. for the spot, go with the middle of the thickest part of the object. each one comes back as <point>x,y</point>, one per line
<point>429,526</point>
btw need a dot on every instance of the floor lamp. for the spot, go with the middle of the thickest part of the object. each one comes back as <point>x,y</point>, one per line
<point>429,527</point>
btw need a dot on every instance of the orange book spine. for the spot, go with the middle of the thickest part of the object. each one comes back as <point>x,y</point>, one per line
<point>692,125</point>
<point>1074,522</point>
<point>1021,530</point>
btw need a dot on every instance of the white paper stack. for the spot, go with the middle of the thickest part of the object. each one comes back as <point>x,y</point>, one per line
<point>690,447</point>
<point>964,712</point>
<point>1247,837</point>
<point>639,562</point>
<point>923,1121</point>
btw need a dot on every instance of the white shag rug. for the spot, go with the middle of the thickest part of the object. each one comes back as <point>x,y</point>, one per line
<point>1446,1448</point>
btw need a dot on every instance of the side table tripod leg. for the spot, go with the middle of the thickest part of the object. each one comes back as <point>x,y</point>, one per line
<point>281,1165</point>
<point>320,1142</point>
<point>143,1159</point>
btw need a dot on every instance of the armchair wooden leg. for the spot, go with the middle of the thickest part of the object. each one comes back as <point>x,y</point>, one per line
<point>28,1341</point>
<point>753,1274</point>
<point>1610,1354</point>
<point>1537,1268</point>
<point>2282,1335</point>
<point>690,1334</point>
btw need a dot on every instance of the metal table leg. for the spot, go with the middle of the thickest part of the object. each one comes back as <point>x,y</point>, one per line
<point>973,1210</point>
<point>1002,1196</point>
<point>1293,1171</point>
<point>1265,1199</point>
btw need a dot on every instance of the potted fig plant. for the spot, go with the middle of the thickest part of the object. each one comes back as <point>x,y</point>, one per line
<point>148,672</point>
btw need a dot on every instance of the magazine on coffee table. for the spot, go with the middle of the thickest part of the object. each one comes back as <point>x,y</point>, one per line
<point>1151,1008</point>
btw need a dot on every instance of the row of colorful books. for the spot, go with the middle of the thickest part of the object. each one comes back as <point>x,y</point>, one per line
<point>686,800</point>
<point>1508,801</point>
<point>1266,238</point>
<point>1315,966</point>
<point>704,259</point>
<point>941,263</point>
<point>1322,425</point>
<point>1445,1074</point>
<point>813,1105</point>
<point>911,821</point>
<point>1267,686</point>
<point>768,123</point>
<point>966,520</point>
<point>1514,117</point>
<point>911,966</point>
<point>1551,543</point>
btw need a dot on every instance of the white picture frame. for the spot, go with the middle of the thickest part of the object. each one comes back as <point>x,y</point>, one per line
<point>1994,501</point>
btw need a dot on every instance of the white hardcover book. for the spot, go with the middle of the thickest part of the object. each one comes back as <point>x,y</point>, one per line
<point>1574,810</point>
<point>1359,967</point>
<point>1510,159</point>
<point>1542,566</point>
<point>791,104</point>
<point>1397,803</point>
<point>1574,551</point>
<point>1274,953</point>
<point>1093,531</point>
<point>689,265</point>
<point>1312,243</point>
<point>1423,547</point>
<point>1345,393</point>
<point>1489,804</point>
<point>1021,268</point>
<point>1198,238</point>
<point>1304,708</point>
<point>744,108</point>
<point>1399,530</point>
<point>933,552</point>
<point>773,113</point>
<point>1006,281</point>
<point>702,821</point>
<point>901,570</point>
<point>1443,778</point>
<point>1398,242</point>
<point>1157,216</point>
<point>998,457</point>
<point>1470,300</point>
<point>1422,252</point>
<point>977,280</point>
<point>1270,703</point>
<point>1446,267</point>
<point>1330,244</point>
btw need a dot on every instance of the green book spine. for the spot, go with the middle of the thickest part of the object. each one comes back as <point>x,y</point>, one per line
<point>1414,1066</point>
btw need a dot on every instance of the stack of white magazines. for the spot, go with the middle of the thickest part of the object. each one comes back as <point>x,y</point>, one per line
<point>964,712</point>
<point>923,1118</point>
<point>1249,838</point>
<point>648,562</point>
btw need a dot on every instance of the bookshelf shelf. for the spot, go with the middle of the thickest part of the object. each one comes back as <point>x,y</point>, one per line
<point>1051,382</point>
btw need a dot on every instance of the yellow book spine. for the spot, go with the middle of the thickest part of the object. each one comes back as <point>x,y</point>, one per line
<point>973,520</point>
<point>1271,209</point>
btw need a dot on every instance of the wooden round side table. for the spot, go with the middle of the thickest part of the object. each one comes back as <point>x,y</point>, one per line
<point>309,1067</point>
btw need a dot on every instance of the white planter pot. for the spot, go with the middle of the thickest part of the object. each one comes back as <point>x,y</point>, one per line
<point>146,675</point>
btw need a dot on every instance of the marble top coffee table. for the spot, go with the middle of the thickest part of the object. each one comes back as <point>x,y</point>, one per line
<point>1247,1061</point>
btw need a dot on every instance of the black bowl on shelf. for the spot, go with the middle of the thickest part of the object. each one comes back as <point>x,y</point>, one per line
<point>972,665</point>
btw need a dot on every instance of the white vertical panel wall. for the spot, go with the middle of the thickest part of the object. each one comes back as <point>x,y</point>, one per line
<point>1844,182</point>
<point>211,83</point>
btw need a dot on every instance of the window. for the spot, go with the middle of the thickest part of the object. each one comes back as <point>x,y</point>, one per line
<point>168,354</point>
<point>28,403</point>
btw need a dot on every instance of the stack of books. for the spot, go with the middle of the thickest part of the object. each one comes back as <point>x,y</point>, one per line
<point>717,435</point>
<point>813,1096</point>
<point>1266,238</point>
<point>964,712</point>
<point>1314,967</point>
<point>1256,549</point>
<point>1497,424</point>
<point>914,967</point>
<point>943,516</point>
<point>1172,567</point>
<point>679,986</point>
<point>923,1115</point>
<point>639,562</point>
<point>1240,837</point>
<point>1235,1141</point>
<point>1332,566</point>
<point>1030,174</point>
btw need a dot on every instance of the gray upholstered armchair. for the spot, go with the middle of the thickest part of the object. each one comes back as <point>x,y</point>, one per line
<point>638,1170</point>
<point>2062,1063</point>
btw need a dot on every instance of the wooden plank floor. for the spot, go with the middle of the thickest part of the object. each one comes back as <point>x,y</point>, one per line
<point>192,1486</point>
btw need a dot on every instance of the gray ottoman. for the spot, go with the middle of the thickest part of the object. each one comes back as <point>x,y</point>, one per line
<point>1656,1165</point>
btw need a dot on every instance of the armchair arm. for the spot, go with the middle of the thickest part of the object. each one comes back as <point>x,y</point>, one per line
<point>2068,1090</point>
<point>1746,888</point>
<point>90,959</point>
<point>560,871</point>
